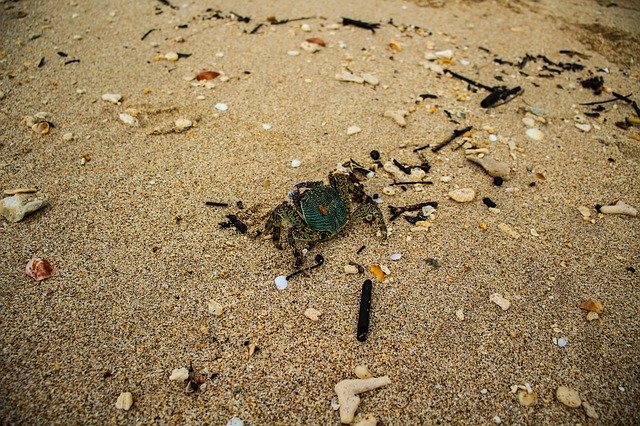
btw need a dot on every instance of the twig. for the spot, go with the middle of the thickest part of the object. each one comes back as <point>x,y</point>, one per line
<point>215,204</point>
<point>319,262</point>
<point>257,27</point>
<point>604,102</point>
<point>284,21</point>
<point>365,310</point>
<point>147,33</point>
<point>628,100</point>
<point>360,24</point>
<point>398,210</point>
<point>419,182</point>
<point>455,135</point>
<point>468,80</point>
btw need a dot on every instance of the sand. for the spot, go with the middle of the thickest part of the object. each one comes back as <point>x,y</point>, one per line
<point>137,253</point>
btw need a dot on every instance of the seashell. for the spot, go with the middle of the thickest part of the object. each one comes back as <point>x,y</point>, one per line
<point>207,75</point>
<point>16,207</point>
<point>42,127</point>
<point>316,40</point>
<point>39,269</point>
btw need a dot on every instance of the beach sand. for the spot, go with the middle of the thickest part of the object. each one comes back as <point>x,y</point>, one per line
<point>137,254</point>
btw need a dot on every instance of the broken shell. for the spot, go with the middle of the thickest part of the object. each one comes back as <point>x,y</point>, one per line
<point>312,314</point>
<point>316,40</point>
<point>462,195</point>
<point>309,47</point>
<point>500,301</point>
<point>619,208</point>
<point>592,305</point>
<point>568,396</point>
<point>41,128</point>
<point>349,77</point>
<point>395,46</point>
<point>362,372</point>
<point>214,308</point>
<point>16,207</point>
<point>527,399</point>
<point>350,269</point>
<point>125,401</point>
<point>114,98</point>
<point>348,390</point>
<point>183,124</point>
<point>417,174</point>
<point>377,271</point>
<point>398,116</point>
<point>491,166</point>
<point>207,75</point>
<point>367,420</point>
<point>179,374</point>
<point>39,269</point>
<point>128,119</point>
<point>535,134</point>
<point>591,316</point>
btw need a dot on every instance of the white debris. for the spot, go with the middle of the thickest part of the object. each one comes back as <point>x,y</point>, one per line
<point>371,79</point>
<point>295,163</point>
<point>444,54</point>
<point>352,130</point>
<point>500,301</point>
<point>395,256</point>
<point>179,374</point>
<point>349,77</point>
<point>171,56</point>
<point>619,208</point>
<point>535,134</point>
<point>114,98</point>
<point>562,342</point>
<point>128,119</point>
<point>293,53</point>
<point>266,126</point>
<point>309,47</point>
<point>398,116</point>
<point>281,282</point>
<point>183,124</point>
<point>235,421</point>
<point>220,106</point>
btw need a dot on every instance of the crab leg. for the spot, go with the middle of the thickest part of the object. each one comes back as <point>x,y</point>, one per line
<point>369,212</point>
<point>285,213</point>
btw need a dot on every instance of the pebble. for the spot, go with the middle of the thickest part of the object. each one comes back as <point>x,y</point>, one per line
<point>536,110</point>
<point>446,179</point>
<point>16,207</point>
<point>179,374</point>
<point>417,174</point>
<point>370,79</point>
<point>529,122</point>
<point>448,53</point>
<point>398,116</point>
<point>462,195</point>
<point>460,314</point>
<point>312,314</point>
<point>497,420</point>
<point>352,130</point>
<point>619,208</point>
<point>349,77</point>
<point>500,301</point>
<point>295,163</point>
<point>183,124</point>
<point>591,316</point>
<point>535,134</point>
<point>464,62</point>
<point>293,53</point>
<point>214,308</point>
<point>67,137</point>
<point>114,98</point>
<point>362,371</point>
<point>585,127</point>
<point>389,190</point>
<point>589,410</point>
<point>527,399</point>
<point>305,27</point>
<point>220,106</point>
<point>350,269</point>
<point>508,230</point>
<point>235,421</point>
<point>281,282</point>
<point>493,138</point>
<point>309,47</point>
<point>562,342</point>
<point>584,211</point>
<point>377,271</point>
<point>38,269</point>
<point>395,256</point>
<point>568,396</point>
<point>128,119</point>
<point>493,167</point>
<point>125,401</point>
<point>171,56</point>
<point>266,126</point>
<point>592,305</point>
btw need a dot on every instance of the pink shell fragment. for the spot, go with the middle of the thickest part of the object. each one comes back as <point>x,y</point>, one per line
<point>39,269</point>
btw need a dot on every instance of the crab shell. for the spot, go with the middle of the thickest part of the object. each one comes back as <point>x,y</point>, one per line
<point>323,209</point>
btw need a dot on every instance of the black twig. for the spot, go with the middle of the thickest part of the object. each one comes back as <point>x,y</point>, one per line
<point>456,134</point>
<point>319,262</point>
<point>468,80</point>
<point>284,21</point>
<point>420,182</point>
<point>147,33</point>
<point>628,100</point>
<point>361,24</point>
<point>256,28</point>
<point>215,204</point>
<point>365,311</point>
<point>398,210</point>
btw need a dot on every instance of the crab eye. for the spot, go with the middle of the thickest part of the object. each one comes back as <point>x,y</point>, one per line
<point>369,218</point>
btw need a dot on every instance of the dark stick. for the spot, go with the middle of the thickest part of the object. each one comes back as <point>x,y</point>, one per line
<point>628,100</point>
<point>284,21</point>
<point>147,33</point>
<point>360,249</point>
<point>239,17</point>
<point>215,204</point>
<point>257,27</point>
<point>398,210</point>
<point>603,102</point>
<point>365,310</point>
<point>319,262</point>
<point>72,61</point>
<point>455,135</point>
<point>426,182</point>
<point>360,24</point>
<point>166,3</point>
<point>468,80</point>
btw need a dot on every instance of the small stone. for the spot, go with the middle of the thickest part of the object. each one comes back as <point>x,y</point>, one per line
<point>350,269</point>
<point>183,124</point>
<point>39,269</point>
<point>125,401</point>
<point>568,396</point>
<point>281,282</point>
<point>171,56</point>
<point>389,190</point>
<point>585,127</point>
<point>370,79</point>
<point>309,47</point>
<point>266,126</point>
<point>584,211</point>
<point>367,420</point>
<point>349,77</point>
<point>535,134</point>
<point>293,53</point>
<point>446,179</point>
<point>16,207</point>
<point>222,106</point>
<point>377,271</point>
<point>493,138</point>
<point>114,98</point>
<point>397,116</point>
<point>352,130</point>
<point>214,308</point>
<point>179,374</point>
<point>460,314</point>
<point>500,301</point>
<point>589,410</point>
<point>592,305</point>
<point>494,168</point>
<point>417,174</point>
<point>362,371</point>
<point>67,137</point>
<point>562,342</point>
<point>295,163</point>
<point>527,399</point>
<point>235,421</point>
<point>462,195</point>
<point>529,121</point>
<point>508,230</point>
<point>128,119</point>
<point>448,53</point>
<point>305,27</point>
<point>619,208</point>
<point>312,314</point>
<point>497,420</point>
<point>592,316</point>
<point>395,256</point>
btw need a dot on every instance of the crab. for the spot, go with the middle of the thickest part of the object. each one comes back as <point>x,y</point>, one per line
<point>318,212</point>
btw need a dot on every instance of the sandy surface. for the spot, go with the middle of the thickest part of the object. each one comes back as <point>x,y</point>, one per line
<point>137,253</point>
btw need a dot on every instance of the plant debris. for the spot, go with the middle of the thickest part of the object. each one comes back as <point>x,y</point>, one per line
<point>361,24</point>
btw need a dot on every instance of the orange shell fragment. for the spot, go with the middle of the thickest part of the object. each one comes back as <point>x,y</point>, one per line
<point>377,271</point>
